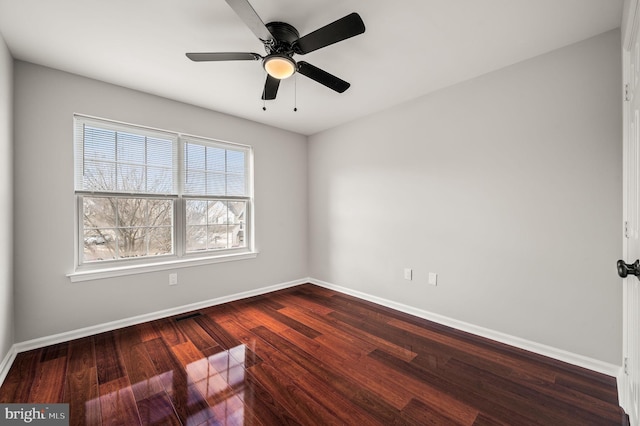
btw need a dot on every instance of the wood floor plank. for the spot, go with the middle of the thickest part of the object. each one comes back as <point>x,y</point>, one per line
<point>294,299</point>
<point>81,385</point>
<point>169,331</point>
<point>189,404</point>
<point>348,389</point>
<point>17,384</point>
<point>147,331</point>
<point>157,409</point>
<point>48,382</point>
<point>218,333</point>
<point>303,408</point>
<point>307,355</point>
<point>54,351</point>
<point>108,359</point>
<point>475,351</point>
<point>289,321</point>
<point>467,392</point>
<point>398,351</point>
<point>198,336</point>
<point>419,413</point>
<point>117,403</point>
<point>333,337</point>
<point>585,386</point>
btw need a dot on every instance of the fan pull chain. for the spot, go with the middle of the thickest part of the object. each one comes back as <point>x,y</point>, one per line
<point>264,101</point>
<point>295,92</point>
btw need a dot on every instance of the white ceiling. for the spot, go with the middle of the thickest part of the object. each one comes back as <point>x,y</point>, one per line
<point>410,48</point>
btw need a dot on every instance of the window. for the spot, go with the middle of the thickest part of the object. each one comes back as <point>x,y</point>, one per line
<point>146,196</point>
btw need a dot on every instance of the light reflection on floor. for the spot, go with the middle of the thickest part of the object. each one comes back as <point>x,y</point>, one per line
<point>219,380</point>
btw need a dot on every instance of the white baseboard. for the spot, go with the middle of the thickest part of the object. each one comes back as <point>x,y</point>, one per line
<point>548,351</point>
<point>113,325</point>
<point>6,363</point>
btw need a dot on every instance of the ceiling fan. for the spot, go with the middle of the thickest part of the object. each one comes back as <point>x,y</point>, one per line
<point>281,41</point>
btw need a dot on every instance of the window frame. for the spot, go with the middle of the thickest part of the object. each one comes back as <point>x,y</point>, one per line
<point>87,270</point>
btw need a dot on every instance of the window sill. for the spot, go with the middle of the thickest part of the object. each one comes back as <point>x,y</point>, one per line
<point>119,271</point>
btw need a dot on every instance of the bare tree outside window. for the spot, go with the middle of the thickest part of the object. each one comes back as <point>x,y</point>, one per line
<point>117,227</point>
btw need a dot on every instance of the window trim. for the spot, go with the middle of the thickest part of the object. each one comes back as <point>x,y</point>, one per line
<point>84,271</point>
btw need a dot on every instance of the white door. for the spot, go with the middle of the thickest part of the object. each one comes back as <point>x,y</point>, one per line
<point>629,382</point>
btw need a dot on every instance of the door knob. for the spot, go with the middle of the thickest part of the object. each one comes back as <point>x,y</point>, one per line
<point>625,269</point>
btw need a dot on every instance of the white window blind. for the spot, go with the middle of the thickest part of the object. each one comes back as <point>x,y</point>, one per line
<point>214,170</point>
<point>124,160</point>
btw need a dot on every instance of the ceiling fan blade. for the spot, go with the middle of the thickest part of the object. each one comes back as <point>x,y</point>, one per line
<point>224,56</point>
<point>251,19</point>
<point>342,29</point>
<point>322,77</point>
<point>270,88</point>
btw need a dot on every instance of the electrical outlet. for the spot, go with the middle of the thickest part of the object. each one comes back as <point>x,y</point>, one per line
<point>173,279</point>
<point>433,278</point>
<point>408,274</point>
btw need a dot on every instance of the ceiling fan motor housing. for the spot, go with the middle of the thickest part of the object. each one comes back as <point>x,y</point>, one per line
<point>284,36</point>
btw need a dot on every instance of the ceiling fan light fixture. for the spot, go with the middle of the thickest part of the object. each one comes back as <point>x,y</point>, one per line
<point>279,66</point>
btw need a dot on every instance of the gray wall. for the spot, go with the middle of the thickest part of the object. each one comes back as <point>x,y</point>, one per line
<point>46,302</point>
<point>6,194</point>
<point>508,186</point>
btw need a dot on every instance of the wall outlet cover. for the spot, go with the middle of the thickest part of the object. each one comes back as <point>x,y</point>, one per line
<point>173,279</point>
<point>408,274</point>
<point>433,278</point>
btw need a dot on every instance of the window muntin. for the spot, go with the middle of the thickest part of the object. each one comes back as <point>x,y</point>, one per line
<point>151,195</point>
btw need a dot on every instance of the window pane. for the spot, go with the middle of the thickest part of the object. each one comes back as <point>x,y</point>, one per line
<point>196,212</point>
<point>194,157</point>
<point>194,182</point>
<point>99,144</point>
<point>159,180</point>
<point>116,228</point>
<point>99,212</point>
<point>160,152</point>
<point>99,176</point>
<point>131,178</point>
<point>235,185</point>
<point>131,212</point>
<point>131,148</point>
<point>236,236</point>
<point>215,184</point>
<point>132,242</point>
<point>235,162</point>
<point>217,212</point>
<point>217,236</point>
<point>215,159</point>
<point>196,238</point>
<point>126,161</point>
<point>236,211</point>
<point>99,244</point>
<point>159,212</point>
<point>160,241</point>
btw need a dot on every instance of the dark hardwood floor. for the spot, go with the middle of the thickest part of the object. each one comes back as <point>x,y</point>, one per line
<point>308,356</point>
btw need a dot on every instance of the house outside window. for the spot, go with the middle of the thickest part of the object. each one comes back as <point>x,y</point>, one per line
<point>147,196</point>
